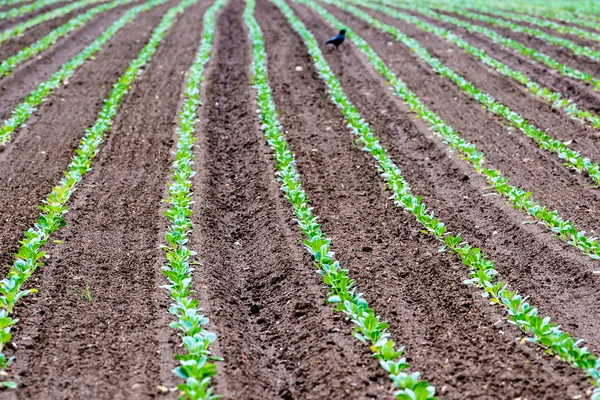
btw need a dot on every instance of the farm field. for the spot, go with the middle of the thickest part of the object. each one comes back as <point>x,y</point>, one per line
<point>202,199</point>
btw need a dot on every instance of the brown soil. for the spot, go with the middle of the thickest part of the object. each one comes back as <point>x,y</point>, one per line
<point>258,285</point>
<point>569,36</point>
<point>34,159</point>
<point>255,281</point>
<point>31,73</point>
<point>560,53</point>
<point>10,22</point>
<point>109,349</point>
<point>32,35</point>
<point>579,92</point>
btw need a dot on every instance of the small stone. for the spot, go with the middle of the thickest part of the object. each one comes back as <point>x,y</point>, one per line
<point>162,389</point>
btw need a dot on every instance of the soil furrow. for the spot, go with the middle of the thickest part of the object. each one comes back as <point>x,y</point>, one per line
<point>506,90</point>
<point>10,22</point>
<point>517,156</point>
<point>569,36</point>
<point>14,88</point>
<point>110,348</point>
<point>458,197</point>
<point>575,90</point>
<point>34,34</point>
<point>33,162</point>
<point>256,283</point>
<point>559,53</point>
<point>420,292</point>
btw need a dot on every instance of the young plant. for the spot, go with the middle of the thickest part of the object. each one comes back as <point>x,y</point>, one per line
<point>482,272</point>
<point>518,197</point>
<point>583,51</point>
<point>19,29</point>
<point>553,98</point>
<point>542,23</point>
<point>9,64</point>
<point>30,255</point>
<point>38,95</point>
<point>495,37</point>
<point>85,293</point>
<point>343,294</point>
<point>570,157</point>
<point>196,366</point>
<point>27,8</point>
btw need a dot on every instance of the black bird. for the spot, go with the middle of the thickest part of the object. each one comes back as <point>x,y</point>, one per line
<point>337,40</point>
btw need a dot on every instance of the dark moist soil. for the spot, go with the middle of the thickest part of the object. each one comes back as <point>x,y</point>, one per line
<point>572,37</point>
<point>111,348</point>
<point>517,156</point>
<point>559,53</point>
<point>28,76</point>
<point>34,34</point>
<point>574,269</point>
<point>581,93</point>
<point>575,196</point>
<point>10,22</point>
<point>32,163</point>
<point>418,291</point>
<point>555,122</point>
<point>256,283</point>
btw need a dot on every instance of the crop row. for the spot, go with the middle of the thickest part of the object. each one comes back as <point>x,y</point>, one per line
<point>543,23</point>
<point>12,2</point>
<point>568,11</point>
<point>24,110</point>
<point>197,366</point>
<point>482,272</point>
<point>519,47</point>
<point>369,328</point>
<point>546,37</point>
<point>27,8</point>
<point>551,97</point>
<point>518,197</point>
<point>571,157</point>
<point>30,255</point>
<point>29,52</point>
<point>20,28</point>
<point>526,8</point>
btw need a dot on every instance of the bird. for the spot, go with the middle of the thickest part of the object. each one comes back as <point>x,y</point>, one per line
<point>337,40</point>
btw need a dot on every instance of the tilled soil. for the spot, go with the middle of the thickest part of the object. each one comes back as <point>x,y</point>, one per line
<point>580,93</point>
<point>34,34</point>
<point>254,279</point>
<point>258,285</point>
<point>33,161</point>
<point>110,348</point>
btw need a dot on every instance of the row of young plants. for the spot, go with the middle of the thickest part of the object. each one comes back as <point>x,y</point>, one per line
<point>526,10</point>
<point>551,97</point>
<point>495,37</point>
<point>11,63</point>
<point>27,8</point>
<point>53,208</point>
<point>368,327</point>
<point>579,50</point>
<point>196,366</point>
<point>570,157</point>
<point>482,272</point>
<point>20,28</point>
<point>12,2</point>
<point>543,23</point>
<point>519,198</point>
<point>570,11</point>
<point>24,110</point>
<point>553,14</point>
